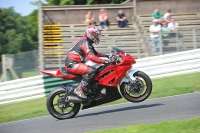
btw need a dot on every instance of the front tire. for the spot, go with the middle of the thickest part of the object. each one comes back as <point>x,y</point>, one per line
<point>139,91</point>
<point>59,109</point>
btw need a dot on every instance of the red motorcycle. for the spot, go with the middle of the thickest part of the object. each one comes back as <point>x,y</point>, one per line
<point>119,75</point>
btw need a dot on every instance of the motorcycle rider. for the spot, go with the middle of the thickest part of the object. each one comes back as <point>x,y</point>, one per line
<point>79,53</point>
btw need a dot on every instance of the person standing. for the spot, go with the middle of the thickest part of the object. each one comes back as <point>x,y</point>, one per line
<point>154,30</point>
<point>165,34</point>
<point>173,26</point>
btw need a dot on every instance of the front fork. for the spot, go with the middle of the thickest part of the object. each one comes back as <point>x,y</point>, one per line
<point>129,75</point>
<point>129,78</point>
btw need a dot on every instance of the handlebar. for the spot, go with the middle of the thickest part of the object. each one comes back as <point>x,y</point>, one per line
<point>115,58</point>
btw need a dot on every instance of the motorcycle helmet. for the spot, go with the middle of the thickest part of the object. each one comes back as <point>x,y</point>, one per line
<point>93,33</point>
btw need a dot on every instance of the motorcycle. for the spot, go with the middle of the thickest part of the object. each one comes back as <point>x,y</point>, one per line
<point>113,81</point>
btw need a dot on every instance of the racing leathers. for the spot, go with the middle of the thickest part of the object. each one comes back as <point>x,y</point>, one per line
<point>75,63</point>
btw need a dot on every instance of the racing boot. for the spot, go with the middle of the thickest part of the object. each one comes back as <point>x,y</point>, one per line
<point>79,90</point>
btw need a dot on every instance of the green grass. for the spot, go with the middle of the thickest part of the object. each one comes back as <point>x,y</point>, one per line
<point>23,110</point>
<point>30,73</point>
<point>176,85</point>
<point>181,126</point>
<point>161,87</point>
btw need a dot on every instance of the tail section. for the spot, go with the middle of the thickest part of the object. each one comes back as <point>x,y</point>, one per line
<point>59,73</point>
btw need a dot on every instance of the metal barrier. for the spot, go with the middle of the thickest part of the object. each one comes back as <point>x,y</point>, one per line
<point>28,88</point>
<point>170,64</point>
<point>155,67</point>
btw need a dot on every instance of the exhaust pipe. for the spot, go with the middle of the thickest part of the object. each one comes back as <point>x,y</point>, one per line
<point>73,99</point>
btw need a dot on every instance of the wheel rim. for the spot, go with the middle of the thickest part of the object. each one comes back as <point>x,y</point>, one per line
<point>137,90</point>
<point>59,107</point>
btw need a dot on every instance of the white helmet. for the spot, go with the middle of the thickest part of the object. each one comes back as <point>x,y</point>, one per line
<point>93,33</point>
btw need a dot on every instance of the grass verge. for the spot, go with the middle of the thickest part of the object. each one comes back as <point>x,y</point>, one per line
<point>181,126</point>
<point>30,73</point>
<point>161,87</point>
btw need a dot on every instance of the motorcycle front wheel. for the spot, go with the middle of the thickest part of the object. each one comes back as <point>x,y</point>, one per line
<point>58,108</point>
<point>140,90</point>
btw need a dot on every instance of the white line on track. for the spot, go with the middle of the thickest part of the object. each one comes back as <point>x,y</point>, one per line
<point>101,107</point>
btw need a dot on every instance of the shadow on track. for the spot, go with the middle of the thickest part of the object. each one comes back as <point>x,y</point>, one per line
<point>121,109</point>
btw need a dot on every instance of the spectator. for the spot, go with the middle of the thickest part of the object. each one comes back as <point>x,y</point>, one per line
<point>154,34</point>
<point>165,34</point>
<point>156,15</point>
<point>103,19</point>
<point>173,26</point>
<point>167,17</point>
<point>89,18</point>
<point>121,19</point>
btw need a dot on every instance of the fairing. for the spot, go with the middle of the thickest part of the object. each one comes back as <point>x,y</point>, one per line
<point>112,74</point>
<point>57,73</point>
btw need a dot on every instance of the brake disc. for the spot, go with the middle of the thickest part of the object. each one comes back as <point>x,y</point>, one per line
<point>136,88</point>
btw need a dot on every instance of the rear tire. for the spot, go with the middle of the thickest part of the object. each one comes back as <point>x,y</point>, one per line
<point>59,109</point>
<point>139,91</point>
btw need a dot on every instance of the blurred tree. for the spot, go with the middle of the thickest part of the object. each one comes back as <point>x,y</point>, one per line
<point>15,33</point>
<point>60,2</point>
<point>32,20</point>
<point>82,2</point>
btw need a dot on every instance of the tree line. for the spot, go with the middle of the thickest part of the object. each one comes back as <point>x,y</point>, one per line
<point>82,2</point>
<point>20,33</point>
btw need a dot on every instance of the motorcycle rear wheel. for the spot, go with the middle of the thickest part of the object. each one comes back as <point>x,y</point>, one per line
<point>138,92</point>
<point>57,108</point>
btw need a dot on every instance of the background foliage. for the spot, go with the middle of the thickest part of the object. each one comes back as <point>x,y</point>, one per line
<point>82,2</point>
<point>15,32</point>
<point>20,33</point>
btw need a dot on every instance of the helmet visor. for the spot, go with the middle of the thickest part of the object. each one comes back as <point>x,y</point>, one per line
<point>97,38</point>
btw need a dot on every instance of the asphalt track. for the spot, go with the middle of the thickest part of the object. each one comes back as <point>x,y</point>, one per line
<point>149,111</point>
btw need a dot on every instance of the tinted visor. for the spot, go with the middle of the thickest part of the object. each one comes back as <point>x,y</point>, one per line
<point>97,38</point>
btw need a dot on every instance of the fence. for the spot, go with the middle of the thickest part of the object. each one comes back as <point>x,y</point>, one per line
<point>182,40</point>
<point>155,67</point>
<point>20,65</point>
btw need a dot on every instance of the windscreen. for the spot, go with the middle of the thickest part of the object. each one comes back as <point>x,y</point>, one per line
<point>117,50</point>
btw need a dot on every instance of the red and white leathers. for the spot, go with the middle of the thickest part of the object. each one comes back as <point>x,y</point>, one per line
<point>83,50</point>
